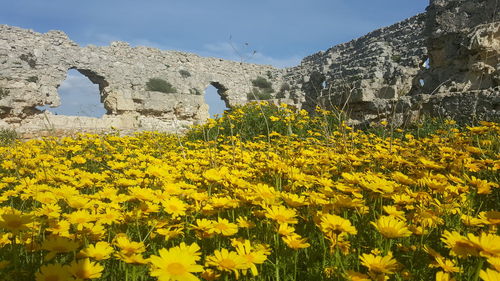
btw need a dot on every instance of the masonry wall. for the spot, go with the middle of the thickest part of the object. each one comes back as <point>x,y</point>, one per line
<point>463,81</point>
<point>33,65</point>
<point>443,63</point>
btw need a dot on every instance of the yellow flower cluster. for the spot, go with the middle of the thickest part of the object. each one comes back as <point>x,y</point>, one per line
<point>342,204</point>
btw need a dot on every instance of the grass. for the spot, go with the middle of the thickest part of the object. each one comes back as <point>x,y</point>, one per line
<point>305,197</point>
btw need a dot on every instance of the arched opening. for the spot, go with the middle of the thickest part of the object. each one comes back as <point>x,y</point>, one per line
<point>80,95</point>
<point>215,98</point>
<point>426,64</point>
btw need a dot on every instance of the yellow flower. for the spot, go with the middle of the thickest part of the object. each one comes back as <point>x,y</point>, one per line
<point>402,178</point>
<point>170,232</point>
<point>252,255</point>
<point>430,164</point>
<point>294,200</point>
<point>458,244</point>
<point>56,245</point>
<point>100,251</point>
<point>494,262</point>
<point>391,227</point>
<point>202,228</point>
<point>128,247</point>
<point>472,221</point>
<point>85,269</point>
<point>488,245</point>
<point>281,214</point>
<point>243,222</point>
<point>379,264</point>
<point>446,264</point>
<point>356,276</point>
<point>295,242</point>
<point>174,206</point>
<point>15,221</point>
<point>110,216</point>
<point>177,263</point>
<point>337,225</point>
<point>443,276</point>
<point>227,261</point>
<point>53,272</point>
<point>489,275</point>
<point>210,274</point>
<point>285,229</point>
<point>493,217</point>
<point>393,211</point>
<point>224,227</point>
<point>131,258</point>
<point>80,218</point>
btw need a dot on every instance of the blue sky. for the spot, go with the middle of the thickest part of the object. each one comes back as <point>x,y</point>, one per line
<point>281,32</point>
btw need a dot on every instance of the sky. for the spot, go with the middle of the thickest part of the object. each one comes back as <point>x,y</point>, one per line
<point>275,32</point>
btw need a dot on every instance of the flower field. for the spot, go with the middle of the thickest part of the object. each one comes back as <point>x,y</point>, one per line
<point>306,200</point>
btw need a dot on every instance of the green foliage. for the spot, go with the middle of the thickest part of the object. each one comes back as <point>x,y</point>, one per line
<point>262,83</point>
<point>269,74</point>
<point>281,93</point>
<point>257,94</point>
<point>258,119</point>
<point>160,85</point>
<point>184,73</point>
<point>262,89</point>
<point>33,79</point>
<point>8,137</point>
<point>29,58</point>
<point>396,58</point>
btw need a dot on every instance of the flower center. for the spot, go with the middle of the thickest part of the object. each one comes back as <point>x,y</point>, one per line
<point>281,218</point>
<point>176,268</point>
<point>227,263</point>
<point>14,224</point>
<point>52,278</point>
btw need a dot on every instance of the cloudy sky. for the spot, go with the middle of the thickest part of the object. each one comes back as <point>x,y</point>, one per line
<point>276,32</point>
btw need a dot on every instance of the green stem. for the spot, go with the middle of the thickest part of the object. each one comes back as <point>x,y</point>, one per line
<point>388,245</point>
<point>295,265</point>
<point>276,266</point>
<point>338,259</point>
<point>478,269</point>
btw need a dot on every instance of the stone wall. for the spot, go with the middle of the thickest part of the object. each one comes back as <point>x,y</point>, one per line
<point>463,41</point>
<point>444,62</point>
<point>33,65</point>
<point>364,76</point>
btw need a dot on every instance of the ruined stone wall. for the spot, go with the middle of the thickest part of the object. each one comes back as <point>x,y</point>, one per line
<point>33,65</point>
<point>463,41</point>
<point>444,62</point>
<point>366,75</point>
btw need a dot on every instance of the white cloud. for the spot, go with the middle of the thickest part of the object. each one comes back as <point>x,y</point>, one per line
<point>79,97</point>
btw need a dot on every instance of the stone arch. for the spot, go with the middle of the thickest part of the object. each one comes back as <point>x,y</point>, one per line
<point>93,77</point>
<point>222,91</point>
<point>216,101</point>
<point>97,79</point>
<point>76,85</point>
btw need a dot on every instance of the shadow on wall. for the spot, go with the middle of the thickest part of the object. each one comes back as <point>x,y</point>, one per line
<point>79,97</point>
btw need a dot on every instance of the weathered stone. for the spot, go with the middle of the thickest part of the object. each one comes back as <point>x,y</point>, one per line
<point>33,65</point>
<point>444,62</point>
<point>365,75</point>
<point>444,59</point>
